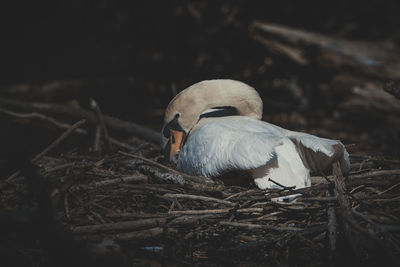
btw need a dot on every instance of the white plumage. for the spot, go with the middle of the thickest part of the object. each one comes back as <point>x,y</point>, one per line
<point>218,145</point>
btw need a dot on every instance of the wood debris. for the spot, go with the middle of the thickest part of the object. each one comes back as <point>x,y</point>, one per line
<point>132,199</point>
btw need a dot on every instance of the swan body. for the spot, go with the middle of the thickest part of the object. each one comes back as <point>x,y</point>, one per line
<point>212,146</point>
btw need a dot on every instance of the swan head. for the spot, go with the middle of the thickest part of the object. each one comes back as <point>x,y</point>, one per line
<point>172,139</point>
<point>185,109</point>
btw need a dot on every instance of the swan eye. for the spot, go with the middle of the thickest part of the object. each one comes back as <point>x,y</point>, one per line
<point>172,125</point>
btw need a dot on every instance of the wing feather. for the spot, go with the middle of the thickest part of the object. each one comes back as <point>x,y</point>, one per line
<point>227,144</point>
<point>319,153</point>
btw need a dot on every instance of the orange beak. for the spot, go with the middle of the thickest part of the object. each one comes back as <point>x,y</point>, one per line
<point>176,141</point>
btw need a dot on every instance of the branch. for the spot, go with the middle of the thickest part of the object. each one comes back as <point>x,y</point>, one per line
<point>344,203</point>
<point>54,122</point>
<point>180,180</point>
<point>79,113</point>
<point>371,174</point>
<point>251,226</point>
<point>140,235</point>
<point>100,119</point>
<point>119,226</point>
<point>194,197</point>
<point>59,140</point>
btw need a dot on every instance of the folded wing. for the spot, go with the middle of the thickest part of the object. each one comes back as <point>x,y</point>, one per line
<point>227,144</point>
<point>318,153</point>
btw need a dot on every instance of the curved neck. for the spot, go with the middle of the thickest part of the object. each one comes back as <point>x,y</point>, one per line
<point>194,100</point>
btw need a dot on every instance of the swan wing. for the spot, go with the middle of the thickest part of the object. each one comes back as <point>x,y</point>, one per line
<point>319,153</point>
<point>223,144</point>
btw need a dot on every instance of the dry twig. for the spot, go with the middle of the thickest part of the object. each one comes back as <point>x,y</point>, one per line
<point>100,119</point>
<point>119,226</point>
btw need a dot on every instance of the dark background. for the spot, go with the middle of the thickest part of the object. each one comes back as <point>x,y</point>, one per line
<point>132,56</point>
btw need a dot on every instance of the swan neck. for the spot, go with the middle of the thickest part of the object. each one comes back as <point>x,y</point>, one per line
<point>196,99</point>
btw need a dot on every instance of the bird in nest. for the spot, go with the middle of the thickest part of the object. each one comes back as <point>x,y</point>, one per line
<point>214,127</point>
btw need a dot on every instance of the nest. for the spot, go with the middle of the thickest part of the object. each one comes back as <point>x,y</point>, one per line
<point>123,207</point>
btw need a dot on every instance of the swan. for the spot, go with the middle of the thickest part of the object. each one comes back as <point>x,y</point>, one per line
<point>210,146</point>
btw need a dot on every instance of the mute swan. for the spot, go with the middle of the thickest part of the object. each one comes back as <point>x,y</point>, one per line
<point>212,146</point>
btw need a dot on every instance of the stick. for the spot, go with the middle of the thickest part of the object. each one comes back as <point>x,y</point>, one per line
<point>59,167</point>
<point>369,158</point>
<point>243,193</point>
<point>59,140</point>
<point>43,117</point>
<point>319,199</point>
<point>66,205</point>
<point>371,174</point>
<point>119,226</point>
<point>390,188</point>
<point>179,179</point>
<point>140,235</point>
<point>126,179</point>
<point>150,187</point>
<point>340,189</point>
<point>123,145</point>
<point>194,197</point>
<point>211,188</point>
<point>386,200</point>
<point>134,215</point>
<point>189,177</point>
<point>251,226</point>
<point>61,125</point>
<point>79,113</point>
<point>100,119</point>
<point>265,216</point>
<point>96,141</point>
<point>290,188</point>
<point>332,225</point>
<point>344,203</point>
<point>214,211</point>
<point>51,146</point>
<point>381,228</point>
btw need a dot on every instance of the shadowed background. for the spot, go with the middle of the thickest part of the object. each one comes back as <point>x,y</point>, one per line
<point>133,57</point>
